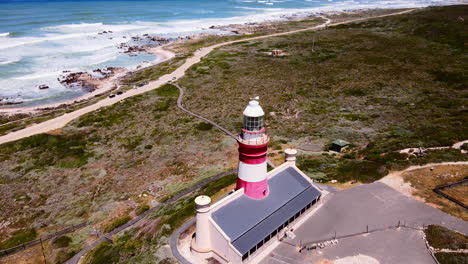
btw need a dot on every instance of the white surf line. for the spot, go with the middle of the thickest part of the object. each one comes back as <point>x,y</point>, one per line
<point>61,121</point>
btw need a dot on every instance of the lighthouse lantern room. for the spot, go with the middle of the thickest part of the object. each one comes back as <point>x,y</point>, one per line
<point>253,145</point>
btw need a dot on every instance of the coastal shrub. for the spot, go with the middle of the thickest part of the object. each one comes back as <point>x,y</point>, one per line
<point>361,170</point>
<point>131,143</point>
<point>307,164</point>
<point>64,255</point>
<point>355,92</point>
<point>116,223</point>
<point>204,126</point>
<point>162,106</point>
<point>19,237</point>
<point>105,117</point>
<point>141,209</point>
<point>441,237</point>
<point>177,213</point>
<point>46,150</point>
<point>62,241</point>
<point>105,253</point>
<point>451,258</point>
<point>215,186</point>
<point>450,78</point>
<point>167,90</point>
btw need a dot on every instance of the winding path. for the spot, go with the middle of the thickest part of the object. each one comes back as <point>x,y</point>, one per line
<point>227,132</point>
<point>61,121</point>
<point>179,104</point>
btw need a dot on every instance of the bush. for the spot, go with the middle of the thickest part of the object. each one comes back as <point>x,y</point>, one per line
<point>62,242</point>
<point>440,237</point>
<point>116,223</point>
<point>204,126</point>
<point>105,253</point>
<point>141,209</point>
<point>167,90</point>
<point>19,237</point>
<point>452,258</point>
<point>355,92</point>
<point>364,171</point>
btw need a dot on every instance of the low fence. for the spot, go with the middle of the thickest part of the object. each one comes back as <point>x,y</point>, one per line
<point>38,241</point>
<point>439,191</point>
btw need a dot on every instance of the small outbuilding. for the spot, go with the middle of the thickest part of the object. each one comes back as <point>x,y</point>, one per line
<point>339,145</point>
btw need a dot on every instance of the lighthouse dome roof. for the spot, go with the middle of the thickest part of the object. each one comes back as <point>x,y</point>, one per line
<point>253,109</point>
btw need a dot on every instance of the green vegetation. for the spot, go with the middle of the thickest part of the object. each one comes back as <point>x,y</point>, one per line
<point>62,242</point>
<point>105,253</point>
<point>204,126</point>
<point>440,237</point>
<point>141,209</point>
<point>451,258</point>
<point>62,151</point>
<point>167,90</point>
<point>116,223</point>
<point>132,245</point>
<point>176,214</point>
<point>373,167</point>
<point>19,237</point>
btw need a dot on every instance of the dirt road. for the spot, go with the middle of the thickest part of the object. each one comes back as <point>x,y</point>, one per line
<point>61,121</point>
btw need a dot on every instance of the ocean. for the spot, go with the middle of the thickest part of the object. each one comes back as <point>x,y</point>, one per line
<point>40,39</point>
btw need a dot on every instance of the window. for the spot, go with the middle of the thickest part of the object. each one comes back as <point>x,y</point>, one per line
<point>274,233</point>
<point>252,250</point>
<point>298,213</point>
<point>308,206</point>
<point>246,255</point>
<point>260,244</point>
<point>266,239</point>
<point>253,123</point>
<point>303,210</point>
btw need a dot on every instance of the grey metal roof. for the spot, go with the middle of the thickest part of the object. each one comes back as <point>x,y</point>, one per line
<point>247,221</point>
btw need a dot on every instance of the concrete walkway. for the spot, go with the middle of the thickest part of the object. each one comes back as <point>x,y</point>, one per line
<point>349,213</point>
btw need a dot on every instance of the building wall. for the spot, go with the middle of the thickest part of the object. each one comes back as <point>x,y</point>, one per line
<point>221,244</point>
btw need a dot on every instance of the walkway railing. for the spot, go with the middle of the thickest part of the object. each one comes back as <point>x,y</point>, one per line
<point>38,241</point>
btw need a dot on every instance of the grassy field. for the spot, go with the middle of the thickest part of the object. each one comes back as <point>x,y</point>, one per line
<point>425,180</point>
<point>383,85</point>
<point>137,245</point>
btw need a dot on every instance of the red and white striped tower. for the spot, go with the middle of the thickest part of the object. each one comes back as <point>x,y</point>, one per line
<point>253,146</point>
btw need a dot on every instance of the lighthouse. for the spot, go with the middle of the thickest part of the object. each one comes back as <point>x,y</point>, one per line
<point>241,227</point>
<point>253,145</point>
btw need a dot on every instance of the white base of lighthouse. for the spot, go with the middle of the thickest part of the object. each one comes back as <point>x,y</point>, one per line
<point>252,172</point>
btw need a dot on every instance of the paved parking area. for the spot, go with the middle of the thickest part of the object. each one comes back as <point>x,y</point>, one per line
<point>374,205</point>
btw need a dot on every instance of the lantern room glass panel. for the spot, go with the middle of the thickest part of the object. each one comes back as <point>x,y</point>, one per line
<point>253,123</point>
